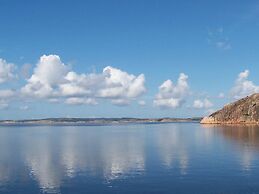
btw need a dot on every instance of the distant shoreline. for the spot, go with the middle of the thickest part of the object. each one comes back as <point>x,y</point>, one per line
<point>94,121</point>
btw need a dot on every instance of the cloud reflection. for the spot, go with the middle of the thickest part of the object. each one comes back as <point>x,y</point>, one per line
<point>54,154</point>
<point>173,146</point>
<point>116,154</point>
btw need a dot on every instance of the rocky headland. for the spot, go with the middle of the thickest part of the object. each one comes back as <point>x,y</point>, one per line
<point>243,111</point>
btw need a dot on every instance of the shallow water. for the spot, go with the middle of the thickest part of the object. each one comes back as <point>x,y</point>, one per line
<point>159,158</point>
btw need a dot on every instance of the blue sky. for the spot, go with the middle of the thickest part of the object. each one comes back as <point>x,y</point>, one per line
<point>211,42</point>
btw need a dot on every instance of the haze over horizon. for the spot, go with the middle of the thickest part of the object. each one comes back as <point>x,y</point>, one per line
<point>126,58</point>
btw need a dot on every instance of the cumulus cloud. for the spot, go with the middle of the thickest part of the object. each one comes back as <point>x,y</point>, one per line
<point>53,79</point>
<point>112,83</point>
<point>200,104</point>
<point>120,102</point>
<point>172,95</point>
<point>6,94</point>
<point>80,101</point>
<point>48,74</point>
<point>243,87</point>
<point>6,71</point>
<point>25,71</point>
<point>81,84</point>
<point>5,97</point>
<point>121,84</point>
<point>142,102</point>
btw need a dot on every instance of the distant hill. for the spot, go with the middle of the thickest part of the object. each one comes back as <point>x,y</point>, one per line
<point>95,121</point>
<point>244,111</point>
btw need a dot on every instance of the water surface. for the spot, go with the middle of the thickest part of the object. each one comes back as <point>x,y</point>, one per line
<point>159,158</point>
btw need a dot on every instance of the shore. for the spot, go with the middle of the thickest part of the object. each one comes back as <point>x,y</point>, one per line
<point>95,121</point>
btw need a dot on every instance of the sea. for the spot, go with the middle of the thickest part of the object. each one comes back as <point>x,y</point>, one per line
<point>180,158</point>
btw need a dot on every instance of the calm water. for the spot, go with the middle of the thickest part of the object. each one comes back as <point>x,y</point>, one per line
<point>162,158</point>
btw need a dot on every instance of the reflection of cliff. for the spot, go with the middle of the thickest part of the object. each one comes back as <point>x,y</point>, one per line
<point>247,137</point>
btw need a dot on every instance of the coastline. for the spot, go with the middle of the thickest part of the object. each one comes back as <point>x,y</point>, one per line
<point>94,121</point>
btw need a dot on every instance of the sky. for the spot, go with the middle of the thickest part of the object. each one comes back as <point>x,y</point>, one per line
<point>126,58</point>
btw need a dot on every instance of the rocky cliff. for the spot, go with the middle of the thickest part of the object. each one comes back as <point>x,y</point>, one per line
<point>244,111</point>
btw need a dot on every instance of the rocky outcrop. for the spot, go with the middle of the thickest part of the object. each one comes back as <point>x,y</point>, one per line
<point>244,111</point>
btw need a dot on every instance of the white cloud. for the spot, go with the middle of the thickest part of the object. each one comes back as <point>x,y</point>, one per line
<point>25,107</point>
<point>6,94</point>
<point>5,97</point>
<point>199,104</point>
<point>48,74</point>
<point>80,101</point>
<point>54,100</point>
<point>172,96</point>
<point>25,71</point>
<point>119,84</point>
<point>6,71</point>
<point>243,87</point>
<point>142,102</point>
<point>52,79</point>
<point>3,104</point>
<point>120,102</point>
<point>112,83</point>
<point>81,84</point>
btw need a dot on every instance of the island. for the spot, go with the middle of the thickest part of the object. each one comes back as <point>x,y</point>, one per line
<point>243,111</point>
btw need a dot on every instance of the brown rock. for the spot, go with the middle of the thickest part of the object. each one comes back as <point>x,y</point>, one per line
<point>244,111</point>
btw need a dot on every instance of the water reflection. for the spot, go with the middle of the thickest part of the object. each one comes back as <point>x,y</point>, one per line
<point>246,137</point>
<point>52,156</point>
<point>173,147</point>
<point>9,154</point>
<point>107,152</point>
<point>5,155</point>
<point>42,161</point>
